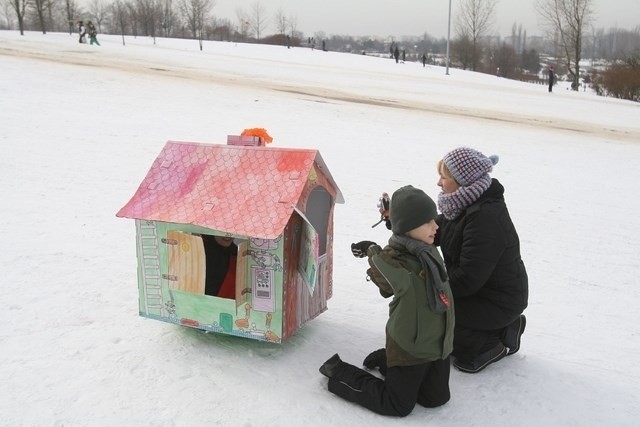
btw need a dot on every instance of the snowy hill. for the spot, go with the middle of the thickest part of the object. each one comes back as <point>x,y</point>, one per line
<point>81,125</point>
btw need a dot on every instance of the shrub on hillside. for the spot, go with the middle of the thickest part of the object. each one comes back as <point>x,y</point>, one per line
<point>620,80</point>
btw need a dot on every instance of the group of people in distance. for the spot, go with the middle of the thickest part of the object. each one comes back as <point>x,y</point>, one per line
<point>93,33</point>
<point>465,309</point>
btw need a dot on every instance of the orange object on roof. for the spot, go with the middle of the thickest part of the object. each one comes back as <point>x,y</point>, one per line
<point>259,132</point>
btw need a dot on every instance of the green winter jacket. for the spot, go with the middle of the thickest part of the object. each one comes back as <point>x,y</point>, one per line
<point>415,334</point>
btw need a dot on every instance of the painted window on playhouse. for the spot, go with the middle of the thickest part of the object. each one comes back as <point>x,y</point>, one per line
<point>203,264</point>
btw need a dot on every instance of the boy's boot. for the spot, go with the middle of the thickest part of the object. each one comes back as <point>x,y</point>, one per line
<point>328,368</point>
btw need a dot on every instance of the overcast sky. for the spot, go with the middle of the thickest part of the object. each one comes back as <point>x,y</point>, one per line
<point>414,17</point>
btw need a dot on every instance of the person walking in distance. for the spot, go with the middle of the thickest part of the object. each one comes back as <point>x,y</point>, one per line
<point>93,33</point>
<point>82,31</point>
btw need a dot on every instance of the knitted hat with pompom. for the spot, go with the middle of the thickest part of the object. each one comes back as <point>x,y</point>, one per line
<point>468,165</point>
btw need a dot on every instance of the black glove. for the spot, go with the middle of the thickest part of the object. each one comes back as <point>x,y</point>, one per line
<point>377,359</point>
<point>359,250</point>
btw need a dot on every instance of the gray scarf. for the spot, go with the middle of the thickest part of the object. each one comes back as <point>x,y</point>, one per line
<point>435,283</point>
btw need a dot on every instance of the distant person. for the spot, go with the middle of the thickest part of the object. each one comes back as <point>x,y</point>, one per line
<point>324,45</point>
<point>552,78</point>
<point>424,60</point>
<point>220,276</point>
<point>419,332</point>
<point>82,31</point>
<point>396,54</point>
<point>93,33</point>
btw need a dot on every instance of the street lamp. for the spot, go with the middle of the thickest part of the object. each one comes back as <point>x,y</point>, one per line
<point>448,38</point>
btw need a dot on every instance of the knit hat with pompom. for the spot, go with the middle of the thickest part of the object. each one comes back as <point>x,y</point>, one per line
<point>468,165</point>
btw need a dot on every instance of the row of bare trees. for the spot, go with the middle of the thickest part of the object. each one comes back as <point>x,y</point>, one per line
<point>167,18</point>
<point>566,21</point>
<point>475,47</point>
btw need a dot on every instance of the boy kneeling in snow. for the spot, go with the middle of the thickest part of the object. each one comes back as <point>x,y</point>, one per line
<point>419,331</point>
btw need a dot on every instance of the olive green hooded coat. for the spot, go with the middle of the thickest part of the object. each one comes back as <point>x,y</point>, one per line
<point>415,334</point>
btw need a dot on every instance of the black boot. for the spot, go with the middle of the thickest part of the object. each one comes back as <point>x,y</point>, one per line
<point>328,368</point>
<point>481,361</point>
<point>511,335</point>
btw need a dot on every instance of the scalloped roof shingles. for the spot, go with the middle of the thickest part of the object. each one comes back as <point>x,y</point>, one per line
<point>247,191</point>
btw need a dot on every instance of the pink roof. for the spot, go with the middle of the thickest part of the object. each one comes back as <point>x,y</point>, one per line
<point>247,191</point>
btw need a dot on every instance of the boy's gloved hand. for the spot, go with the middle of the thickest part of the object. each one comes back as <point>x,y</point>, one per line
<point>359,250</point>
<point>376,359</point>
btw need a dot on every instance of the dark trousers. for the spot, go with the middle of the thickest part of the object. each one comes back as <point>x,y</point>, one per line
<point>403,387</point>
<point>470,343</point>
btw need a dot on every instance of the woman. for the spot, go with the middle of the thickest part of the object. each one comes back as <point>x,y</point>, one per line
<point>481,250</point>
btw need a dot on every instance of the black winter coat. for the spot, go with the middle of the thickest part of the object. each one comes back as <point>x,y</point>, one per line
<point>481,251</point>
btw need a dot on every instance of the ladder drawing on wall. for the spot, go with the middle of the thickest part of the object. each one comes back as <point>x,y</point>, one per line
<point>148,253</point>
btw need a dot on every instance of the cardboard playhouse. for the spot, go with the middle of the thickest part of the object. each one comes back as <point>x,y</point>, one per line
<point>276,203</point>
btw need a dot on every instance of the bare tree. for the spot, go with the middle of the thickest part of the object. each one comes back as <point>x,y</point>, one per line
<point>40,7</point>
<point>50,8</point>
<point>21,7</point>
<point>120,17</point>
<point>195,14</point>
<point>258,19</point>
<point>504,58</point>
<point>223,29</point>
<point>149,15</point>
<point>463,51</point>
<point>134,19</point>
<point>72,12</point>
<point>168,18</point>
<point>568,19</point>
<point>473,21</point>
<point>292,22</point>
<point>243,23</point>
<point>7,11</point>
<point>281,21</point>
<point>98,12</point>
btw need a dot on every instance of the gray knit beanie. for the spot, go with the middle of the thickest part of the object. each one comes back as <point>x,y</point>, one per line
<point>468,165</point>
<point>410,208</point>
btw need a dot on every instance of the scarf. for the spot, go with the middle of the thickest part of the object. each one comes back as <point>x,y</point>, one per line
<point>452,204</point>
<point>435,283</point>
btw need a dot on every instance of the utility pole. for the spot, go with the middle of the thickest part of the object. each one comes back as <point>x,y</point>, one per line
<point>448,38</point>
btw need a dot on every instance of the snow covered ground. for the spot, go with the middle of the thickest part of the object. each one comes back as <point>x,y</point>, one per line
<point>80,126</point>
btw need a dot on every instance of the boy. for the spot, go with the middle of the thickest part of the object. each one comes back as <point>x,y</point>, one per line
<point>419,332</point>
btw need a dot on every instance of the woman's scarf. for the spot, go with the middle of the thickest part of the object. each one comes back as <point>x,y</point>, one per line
<point>452,204</point>
<point>435,276</point>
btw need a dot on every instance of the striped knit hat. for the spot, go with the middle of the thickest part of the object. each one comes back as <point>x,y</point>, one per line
<point>468,165</point>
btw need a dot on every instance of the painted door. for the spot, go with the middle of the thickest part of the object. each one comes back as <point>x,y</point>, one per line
<point>187,262</point>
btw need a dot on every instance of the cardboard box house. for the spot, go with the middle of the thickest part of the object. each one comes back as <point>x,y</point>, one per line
<point>263,213</point>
